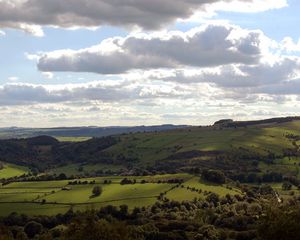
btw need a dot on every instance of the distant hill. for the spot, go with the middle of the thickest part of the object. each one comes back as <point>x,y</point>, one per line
<point>15,132</point>
<point>231,123</point>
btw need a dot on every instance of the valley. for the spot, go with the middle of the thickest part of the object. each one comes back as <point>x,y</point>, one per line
<point>223,177</point>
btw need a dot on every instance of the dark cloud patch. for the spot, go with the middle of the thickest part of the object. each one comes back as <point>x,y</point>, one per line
<point>147,14</point>
<point>26,94</point>
<point>282,88</point>
<point>22,94</point>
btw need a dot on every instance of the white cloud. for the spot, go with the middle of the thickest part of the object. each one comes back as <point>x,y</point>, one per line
<point>2,33</point>
<point>191,111</point>
<point>248,6</point>
<point>214,61</point>
<point>48,75</point>
<point>289,45</point>
<point>237,75</point>
<point>209,45</point>
<point>32,29</point>
<point>236,6</point>
<point>139,102</point>
<point>13,79</point>
<point>32,57</point>
<point>29,15</point>
<point>179,87</point>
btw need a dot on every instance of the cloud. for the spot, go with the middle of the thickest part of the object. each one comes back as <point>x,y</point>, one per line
<point>289,45</point>
<point>266,81</point>
<point>48,75</point>
<point>106,91</point>
<point>30,15</point>
<point>13,79</point>
<point>248,6</point>
<point>146,93</point>
<point>112,91</point>
<point>237,75</point>
<point>209,45</point>
<point>32,57</point>
<point>22,94</point>
<point>281,88</point>
<point>195,111</point>
<point>141,102</point>
<point>2,33</point>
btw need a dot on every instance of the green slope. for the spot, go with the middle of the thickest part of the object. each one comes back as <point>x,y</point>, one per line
<point>12,170</point>
<point>151,147</point>
<point>204,147</point>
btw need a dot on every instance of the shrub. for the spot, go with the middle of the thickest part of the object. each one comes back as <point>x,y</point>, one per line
<point>97,190</point>
<point>214,176</point>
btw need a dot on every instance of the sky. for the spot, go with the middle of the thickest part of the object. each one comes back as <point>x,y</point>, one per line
<point>141,62</point>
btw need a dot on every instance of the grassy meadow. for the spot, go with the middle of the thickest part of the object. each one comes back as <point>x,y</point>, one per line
<point>72,139</point>
<point>153,147</point>
<point>49,198</point>
<point>12,170</point>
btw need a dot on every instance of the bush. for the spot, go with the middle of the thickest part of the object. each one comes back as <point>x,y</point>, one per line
<point>90,229</point>
<point>5,234</point>
<point>280,223</point>
<point>213,198</point>
<point>33,228</point>
<point>214,176</point>
<point>97,190</point>
<point>286,186</point>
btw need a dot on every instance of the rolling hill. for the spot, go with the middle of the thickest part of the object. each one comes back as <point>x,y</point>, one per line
<point>225,175</point>
<point>258,147</point>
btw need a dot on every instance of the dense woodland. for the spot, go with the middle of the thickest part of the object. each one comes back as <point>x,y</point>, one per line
<point>42,152</point>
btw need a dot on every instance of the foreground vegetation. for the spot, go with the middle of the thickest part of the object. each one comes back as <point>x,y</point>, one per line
<point>244,216</point>
<point>170,206</point>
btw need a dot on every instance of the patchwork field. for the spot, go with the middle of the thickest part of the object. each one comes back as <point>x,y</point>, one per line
<point>49,198</point>
<point>12,170</point>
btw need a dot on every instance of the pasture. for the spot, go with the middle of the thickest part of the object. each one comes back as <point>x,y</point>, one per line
<point>12,170</point>
<point>72,139</point>
<point>52,197</point>
<point>159,145</point>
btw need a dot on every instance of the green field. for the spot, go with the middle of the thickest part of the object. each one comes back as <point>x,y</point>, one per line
<point>72,139</point>
<point>185,191</point>
<point>27,197</point>
<point>153,147</point>
<point>12,170</point>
